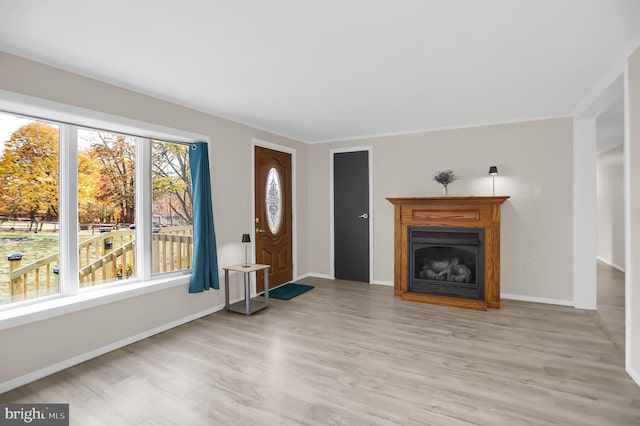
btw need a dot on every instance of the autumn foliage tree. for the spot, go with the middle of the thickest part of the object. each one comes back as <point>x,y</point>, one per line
<point>117,156</point>
<point>29,173</point>
<point>90,210</point>
<point>106,176</point>
<point>172,180</point>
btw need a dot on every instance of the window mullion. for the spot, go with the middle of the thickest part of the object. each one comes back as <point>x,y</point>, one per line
<point>144,209</point>
<point>68,196</point>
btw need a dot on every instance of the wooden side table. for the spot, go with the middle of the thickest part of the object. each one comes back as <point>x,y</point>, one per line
<point>247,306</point>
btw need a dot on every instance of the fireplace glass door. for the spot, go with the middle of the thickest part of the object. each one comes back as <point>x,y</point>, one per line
<point>447,261</point>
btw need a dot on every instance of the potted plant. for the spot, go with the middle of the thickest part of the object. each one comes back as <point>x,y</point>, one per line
<point>445,177</point>
<point>128,271</point>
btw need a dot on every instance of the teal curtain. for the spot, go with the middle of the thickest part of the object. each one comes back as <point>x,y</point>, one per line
<point>204,273</point>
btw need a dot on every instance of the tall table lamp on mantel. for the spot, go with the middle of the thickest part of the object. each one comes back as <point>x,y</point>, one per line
<point>246,239</point>
<point>493,172</point>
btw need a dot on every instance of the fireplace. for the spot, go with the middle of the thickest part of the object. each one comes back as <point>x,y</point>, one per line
<point>447,250</point>
<point>446,261</point>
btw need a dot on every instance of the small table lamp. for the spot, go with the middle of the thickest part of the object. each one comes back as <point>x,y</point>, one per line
<point>493,171</point>
<point>246,238</point>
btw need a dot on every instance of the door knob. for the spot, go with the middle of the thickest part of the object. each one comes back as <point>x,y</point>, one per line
<point>259,231</point>
<point>364,216</point>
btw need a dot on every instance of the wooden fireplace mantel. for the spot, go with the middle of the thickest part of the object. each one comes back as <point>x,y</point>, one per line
<point>467,212</point>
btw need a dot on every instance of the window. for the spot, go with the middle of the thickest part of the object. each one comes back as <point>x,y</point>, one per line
<point>273,200</point>
<point>106,207</point>
<point>29,242</point>
<point>172,207</point>
<point>98,241</point>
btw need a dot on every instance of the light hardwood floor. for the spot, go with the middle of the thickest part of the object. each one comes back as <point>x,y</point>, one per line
<point>352,354</point>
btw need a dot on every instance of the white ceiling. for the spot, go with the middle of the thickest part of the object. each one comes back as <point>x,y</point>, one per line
<point>336,69</point>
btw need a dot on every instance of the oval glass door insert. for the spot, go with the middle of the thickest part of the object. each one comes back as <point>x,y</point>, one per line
<point>274,200</point>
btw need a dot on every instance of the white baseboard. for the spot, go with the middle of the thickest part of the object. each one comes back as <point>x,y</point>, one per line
<point>523,298</point>
<point>613,265</point>
<point>312,275</point>
<point>634,375</point>
<point>386,283</point>
<point>39,374</point>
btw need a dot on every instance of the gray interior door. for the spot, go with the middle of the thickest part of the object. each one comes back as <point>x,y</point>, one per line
<point>351,215</point>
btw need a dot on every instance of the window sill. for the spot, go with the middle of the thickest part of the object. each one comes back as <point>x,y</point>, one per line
<point>63,305</point>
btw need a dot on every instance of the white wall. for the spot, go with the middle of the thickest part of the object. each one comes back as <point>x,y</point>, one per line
<point>585,221</point>
<point>611,207</point>
<point>536,169</point>
<point>33,348</point>
<point>632,192</point>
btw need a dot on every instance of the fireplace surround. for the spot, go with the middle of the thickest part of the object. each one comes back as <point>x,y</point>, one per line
<point>447,250</point>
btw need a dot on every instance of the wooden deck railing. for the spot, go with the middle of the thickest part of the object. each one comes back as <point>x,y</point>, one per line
<point>173,249</point>
<point>115,264</point>
<point>105,257</point>
<point>39,274</point>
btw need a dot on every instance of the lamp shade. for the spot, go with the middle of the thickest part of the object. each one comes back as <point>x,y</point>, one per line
<point>246,238</point>
<point>493,170</point>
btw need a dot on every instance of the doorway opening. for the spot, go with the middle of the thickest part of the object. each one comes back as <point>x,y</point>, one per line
<point>610,201</point>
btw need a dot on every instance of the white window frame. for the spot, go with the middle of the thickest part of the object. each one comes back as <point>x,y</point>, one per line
<point>71,298</point>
